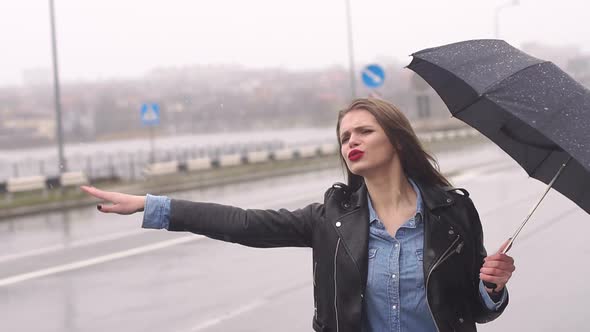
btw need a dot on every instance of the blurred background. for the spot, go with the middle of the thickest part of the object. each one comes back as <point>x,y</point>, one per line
<point>135,95</point>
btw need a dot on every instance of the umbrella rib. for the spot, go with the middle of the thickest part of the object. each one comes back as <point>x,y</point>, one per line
<point>479,95</point>
<point>468,105</point>
<point>541,163</point>
<point>489,87</point>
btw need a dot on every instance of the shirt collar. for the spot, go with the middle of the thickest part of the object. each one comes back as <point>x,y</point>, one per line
<point>419,204</point>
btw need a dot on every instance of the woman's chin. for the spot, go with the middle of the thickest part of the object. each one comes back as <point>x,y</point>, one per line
<point>357,170</point>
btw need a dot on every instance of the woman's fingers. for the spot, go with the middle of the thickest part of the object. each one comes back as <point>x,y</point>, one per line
<point>105,208</point>
<point>122,203</point>
<point>502,265</point>
<point>500,258</point>
<point>495,272</point>
<point>104,195</point>
<point>497,269</point>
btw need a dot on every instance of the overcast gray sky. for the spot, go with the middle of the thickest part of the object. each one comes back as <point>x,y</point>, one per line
<point>100,39</point>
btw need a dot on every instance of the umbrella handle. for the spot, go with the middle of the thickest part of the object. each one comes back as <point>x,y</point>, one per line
<point>490,285</point>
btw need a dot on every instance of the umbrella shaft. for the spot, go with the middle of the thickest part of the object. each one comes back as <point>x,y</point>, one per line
<point>535,206</point>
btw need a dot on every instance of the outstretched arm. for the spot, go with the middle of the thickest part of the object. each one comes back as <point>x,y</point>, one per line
<point>251,227</point>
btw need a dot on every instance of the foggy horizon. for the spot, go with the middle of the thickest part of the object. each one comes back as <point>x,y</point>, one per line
<point>103,41</point>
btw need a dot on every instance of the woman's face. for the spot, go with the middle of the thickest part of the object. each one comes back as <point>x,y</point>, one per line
<point>365,147</point>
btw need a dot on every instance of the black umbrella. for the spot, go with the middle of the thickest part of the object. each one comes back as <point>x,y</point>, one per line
<point>529,107</point>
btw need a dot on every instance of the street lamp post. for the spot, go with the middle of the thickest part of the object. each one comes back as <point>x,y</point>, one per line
<point>350,51</point>
<point>62,167</point>
<point>497,16</point>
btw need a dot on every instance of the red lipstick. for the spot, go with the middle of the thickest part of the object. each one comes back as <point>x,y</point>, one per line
<point>355,154</point>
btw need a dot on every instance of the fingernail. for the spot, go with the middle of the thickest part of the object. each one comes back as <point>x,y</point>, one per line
<point>99,207</point>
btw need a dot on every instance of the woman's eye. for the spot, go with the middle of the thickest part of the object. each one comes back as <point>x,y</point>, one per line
<point>344,140</point>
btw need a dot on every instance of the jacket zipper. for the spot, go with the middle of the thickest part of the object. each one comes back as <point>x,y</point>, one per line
<point>315,266</point>
<point>315,302</point>
<point>443,258</point>
<point>336,285</point>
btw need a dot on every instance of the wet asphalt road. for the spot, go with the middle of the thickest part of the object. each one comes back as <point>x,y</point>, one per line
<point>84,271</point>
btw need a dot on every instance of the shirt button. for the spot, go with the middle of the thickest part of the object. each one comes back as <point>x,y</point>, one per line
<point>338,224</point>
<point>394,307</point>
<point>396,245</point>
<point>393,276</point>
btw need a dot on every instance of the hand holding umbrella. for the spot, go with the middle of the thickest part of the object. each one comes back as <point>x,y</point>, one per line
<point>497,269</point>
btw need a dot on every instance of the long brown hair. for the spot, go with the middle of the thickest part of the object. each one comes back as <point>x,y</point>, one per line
<point>417,164</point>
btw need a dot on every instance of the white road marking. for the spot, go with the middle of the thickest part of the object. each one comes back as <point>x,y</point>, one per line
<point>219,319</point>
<point>122,254</point>
<point>96,260</point>
<point>250,306</point>
<point>74,244</point>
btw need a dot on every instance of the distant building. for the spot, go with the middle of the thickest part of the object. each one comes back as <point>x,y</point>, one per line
<point>37,76</point>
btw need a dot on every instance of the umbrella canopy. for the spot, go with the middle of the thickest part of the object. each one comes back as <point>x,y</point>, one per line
<point>530,108</point>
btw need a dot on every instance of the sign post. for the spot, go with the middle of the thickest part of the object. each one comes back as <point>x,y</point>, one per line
<point>150,117</point>
<point>422,98</point>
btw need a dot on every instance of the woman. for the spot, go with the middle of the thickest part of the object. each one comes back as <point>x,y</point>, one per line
<point>397,249</point>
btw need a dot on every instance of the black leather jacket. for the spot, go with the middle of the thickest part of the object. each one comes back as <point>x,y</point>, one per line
<point>338,233</point>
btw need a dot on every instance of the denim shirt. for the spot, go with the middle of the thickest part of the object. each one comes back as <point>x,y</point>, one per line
<point>395,298</point>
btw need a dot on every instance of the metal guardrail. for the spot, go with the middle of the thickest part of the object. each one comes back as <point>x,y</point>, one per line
<point>70,179</point>
<point>26,183</point>
<point>73,179</point>
<point>159,169</point>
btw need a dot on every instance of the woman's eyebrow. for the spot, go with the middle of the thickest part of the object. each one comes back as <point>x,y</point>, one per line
<point>361,127</point>
<point>347,132</point>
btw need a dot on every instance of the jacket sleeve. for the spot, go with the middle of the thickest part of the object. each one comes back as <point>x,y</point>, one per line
<point>251,227</point>
<point>481,312</point>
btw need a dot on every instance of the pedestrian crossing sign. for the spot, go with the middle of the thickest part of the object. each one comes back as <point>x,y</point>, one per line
<point>150,114</point>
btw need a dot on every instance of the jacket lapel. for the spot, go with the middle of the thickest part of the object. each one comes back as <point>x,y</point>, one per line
<point>439,234</point>
<point>353,229</point>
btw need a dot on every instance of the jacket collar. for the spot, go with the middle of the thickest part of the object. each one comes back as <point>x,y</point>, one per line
<point>432,197</point>
<point>435,197</point>
<point>353,226</point>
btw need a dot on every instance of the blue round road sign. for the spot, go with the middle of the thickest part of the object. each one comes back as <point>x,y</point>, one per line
<point>373,76</point>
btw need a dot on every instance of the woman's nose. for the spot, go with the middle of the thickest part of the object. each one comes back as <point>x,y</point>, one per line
<point>353,142</point>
